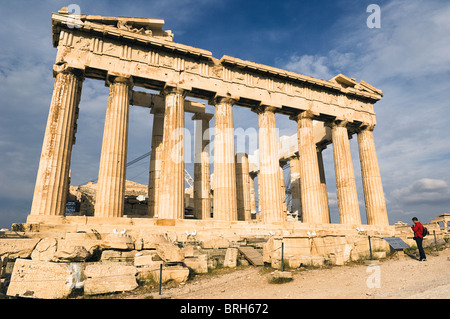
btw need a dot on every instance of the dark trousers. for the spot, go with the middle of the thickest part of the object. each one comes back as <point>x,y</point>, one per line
<point>420,247</point>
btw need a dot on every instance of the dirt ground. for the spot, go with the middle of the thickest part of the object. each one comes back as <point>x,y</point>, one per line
<point>399,278</point>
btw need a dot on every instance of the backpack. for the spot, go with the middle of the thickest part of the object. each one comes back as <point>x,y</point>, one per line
<point>425,231</point>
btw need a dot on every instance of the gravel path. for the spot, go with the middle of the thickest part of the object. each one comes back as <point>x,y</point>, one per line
<point>394,278</point>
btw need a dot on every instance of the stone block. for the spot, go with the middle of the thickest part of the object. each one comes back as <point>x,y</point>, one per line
<point>89,244</point>
<point>296,246</point>
<point>306,260</point>
<point>272,249</point>
<point>139,244</point>
<point>92,246</point>
<point>176,273</point>
<point>152,262</point>
<point>79,236</point>
<point>231,258</point>
<point>169,252</point>
<point>360,247</point>
<point>323,246</point>
<point>40,279</point>
<point>117,256</point>
<point>109,278</point>
<point>73,254</point>
<point>45,249</point>
<point>217,242</point>
<point>149,241</point>
<point>117,241</point>
<point>199,264</point>
<point>293,261</point>
<point>18,247</point>
<point>188,251</point>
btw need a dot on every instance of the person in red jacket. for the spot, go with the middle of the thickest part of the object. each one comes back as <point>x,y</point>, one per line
<point>418,237</point>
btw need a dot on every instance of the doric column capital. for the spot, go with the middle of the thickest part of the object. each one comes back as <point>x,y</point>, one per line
<point>264,108</point>
<point>217,99</point>
<point>253,174</point>
<point>173,88</point>
<point>113,79</point>
<point>366,127</point>
<point>64,68</point>
<point>337,123</point>
<point>282,162</point>
<point>308,114</point>
<point>321,146</point>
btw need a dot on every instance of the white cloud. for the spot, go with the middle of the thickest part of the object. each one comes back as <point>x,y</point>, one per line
<point>424,191</point>
<point>311,65</point>
<point>322,67</point>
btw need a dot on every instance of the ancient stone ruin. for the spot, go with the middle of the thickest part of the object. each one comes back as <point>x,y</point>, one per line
<point>128,53</point>
<point>105,250</point>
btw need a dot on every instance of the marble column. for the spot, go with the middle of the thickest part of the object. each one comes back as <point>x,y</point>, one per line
<point>373,188</point>
<point>323,183</point>
<point>295,186</point>
<point>155,160</point>
<point>225,202</point>
<point>202,171</point>
<point>243,189</point>
<point>313,210</point>
<point>270,198</point>
<point>345,177</point>
<point>171,181</point>
<point>52,180</point>
<point>110,193</point>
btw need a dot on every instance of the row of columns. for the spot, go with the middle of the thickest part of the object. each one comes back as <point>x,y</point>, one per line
<point>232,182</point>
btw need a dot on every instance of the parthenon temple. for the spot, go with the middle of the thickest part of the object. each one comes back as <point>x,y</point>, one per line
<point>131,53</point>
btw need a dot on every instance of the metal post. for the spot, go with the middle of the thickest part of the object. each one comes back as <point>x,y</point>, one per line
<point>160,278</point>
<point>370,248</point>
<point>435,241</point>
<point>282,256</point>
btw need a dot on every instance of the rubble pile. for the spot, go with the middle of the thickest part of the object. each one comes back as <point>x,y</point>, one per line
<point>81,263</point>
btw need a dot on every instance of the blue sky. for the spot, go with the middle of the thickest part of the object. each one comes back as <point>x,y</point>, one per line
<point>408,58</point>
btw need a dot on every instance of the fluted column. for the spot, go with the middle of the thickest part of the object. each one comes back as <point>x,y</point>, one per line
<point>243,190</point>
<point>110,194</point>
<point>373,188</point>
<point>225,202</point>
<point>323,183</point>
<point>155,159</point>
<point>202,172</point>
<point>310,186</point>
<point>171,181</point>
<point>345,177</point>
<point>52,180</point>
<point>295,186</point>
<point>269,169</point>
